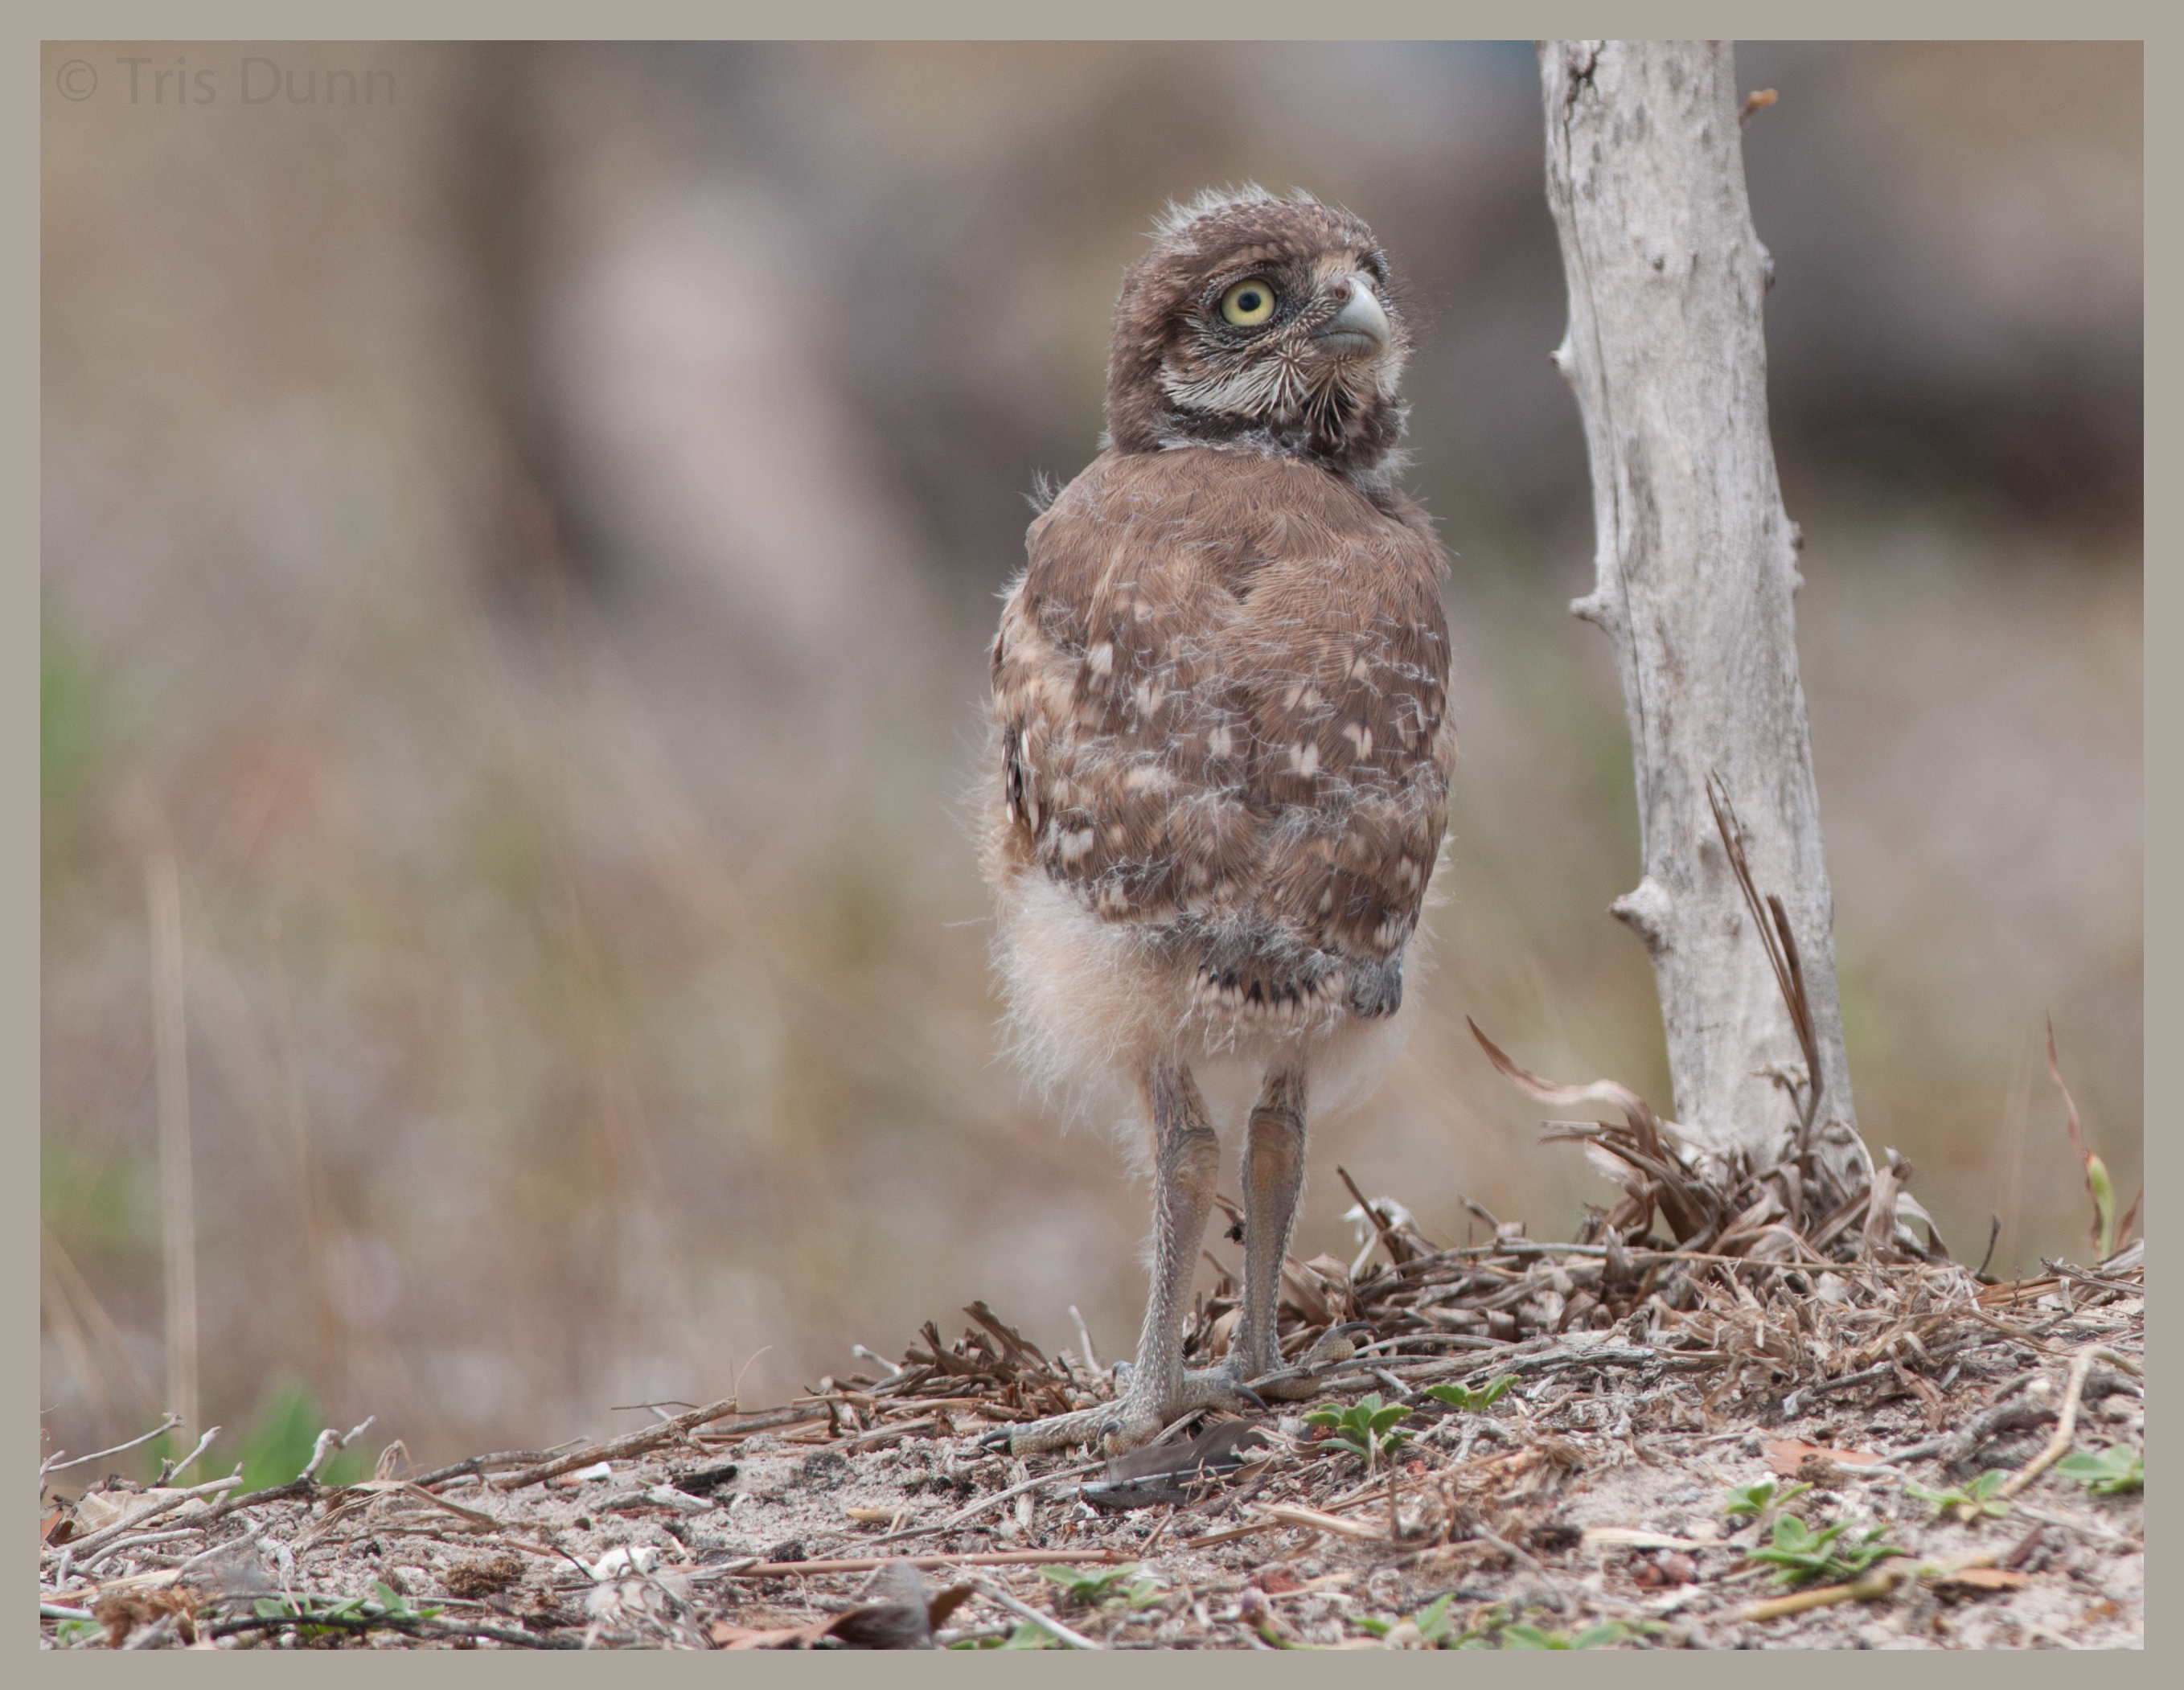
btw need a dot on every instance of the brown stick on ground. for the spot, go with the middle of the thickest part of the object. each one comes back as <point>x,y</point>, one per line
<point>865,1564</point>
<point>2066,1423</point>
<point>630,1444</point>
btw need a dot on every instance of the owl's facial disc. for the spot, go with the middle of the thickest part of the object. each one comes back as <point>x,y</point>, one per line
<point>1266,323</point>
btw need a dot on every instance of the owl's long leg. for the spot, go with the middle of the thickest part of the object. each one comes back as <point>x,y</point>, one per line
<point>1187,1161</point>
<point>1273,1176</point>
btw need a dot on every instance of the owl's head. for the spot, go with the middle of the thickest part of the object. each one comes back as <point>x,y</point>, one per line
<point>1259,320</point>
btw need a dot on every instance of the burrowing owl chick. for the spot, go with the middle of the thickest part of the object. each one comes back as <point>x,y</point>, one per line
<point>1222,748</point>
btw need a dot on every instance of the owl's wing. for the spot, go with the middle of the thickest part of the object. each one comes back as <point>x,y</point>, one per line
<point>1220,688</point>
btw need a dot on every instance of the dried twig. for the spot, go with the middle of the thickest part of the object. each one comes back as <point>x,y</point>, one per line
<point>1024,1610</point>
<point>88,1549</point>
<point>168,1470</point>
<point>472,1465</point>
<point>53,1464</point>
<point>974,1509</point>
<point>865,1564</point>
<point>629,1443</point>
<point>305,1483</point>
<point>2066,1420</point>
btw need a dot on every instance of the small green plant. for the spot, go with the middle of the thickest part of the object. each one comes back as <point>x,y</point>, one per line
<point>1363,1428</point>
<point>1593,1637</point>
<point>1026,1636</point>
<point>315,1616</point>
<point>1803,1553</point>
<point>72,1633</point>
<point>2113,1471</point>
<point>1474,1402</point>
<point>1091,1586</point>
<point>1968,1502</point>
<point>1758,1500</point>
<point>1431,1621</point>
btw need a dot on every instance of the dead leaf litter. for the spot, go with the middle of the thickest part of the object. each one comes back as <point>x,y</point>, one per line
<point>1672,1410</point>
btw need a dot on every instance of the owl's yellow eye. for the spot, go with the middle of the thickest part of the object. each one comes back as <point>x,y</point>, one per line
<point>1248,303</point>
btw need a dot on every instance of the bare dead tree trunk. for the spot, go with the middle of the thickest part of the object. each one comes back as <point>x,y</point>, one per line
<point>1694,571</point>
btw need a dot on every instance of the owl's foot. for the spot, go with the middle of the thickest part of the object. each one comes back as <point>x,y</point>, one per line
<point>1295,1380</point>
<point>1138,1418</point>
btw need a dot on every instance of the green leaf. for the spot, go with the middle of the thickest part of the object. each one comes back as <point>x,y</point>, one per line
<point>1095,1584</point>
<point>1363,1427</point>
<point>1379,1628</point>
<point>1145,1591</point>
<point>2112,1472</point>
<point>1474,1402</point>
<point>1530,1638</point>
<point>1754,1501</point>
<point>1803,1553</point>
<point>2104,1210</point>
<point>1978,1496</point>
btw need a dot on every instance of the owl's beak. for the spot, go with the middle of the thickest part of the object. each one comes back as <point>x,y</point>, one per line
<point>1360,328</point>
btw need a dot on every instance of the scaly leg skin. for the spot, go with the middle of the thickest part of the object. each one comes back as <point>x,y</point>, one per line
<point>1273,1176</point>
<point>1187,1162</point>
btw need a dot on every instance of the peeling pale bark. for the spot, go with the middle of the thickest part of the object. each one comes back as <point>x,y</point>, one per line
<point>1695,571</point>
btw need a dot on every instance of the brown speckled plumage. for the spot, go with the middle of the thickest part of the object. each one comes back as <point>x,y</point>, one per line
<point>1221,686</point>
<point>1220,696</point>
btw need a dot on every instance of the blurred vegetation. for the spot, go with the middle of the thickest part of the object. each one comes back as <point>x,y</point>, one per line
<point>529,552</point>
<point>278,1446</point>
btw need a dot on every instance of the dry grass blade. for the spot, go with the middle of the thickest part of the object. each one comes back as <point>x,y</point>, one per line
<point>1682,1202</point>
<point>1400,1249</point>
<point>1775,938</point>
<point>2107,1237</point>
<point>1880,1206</point>
<point>1643,1122</point>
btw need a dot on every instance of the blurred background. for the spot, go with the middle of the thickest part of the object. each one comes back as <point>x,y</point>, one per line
<point>521,531</point>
